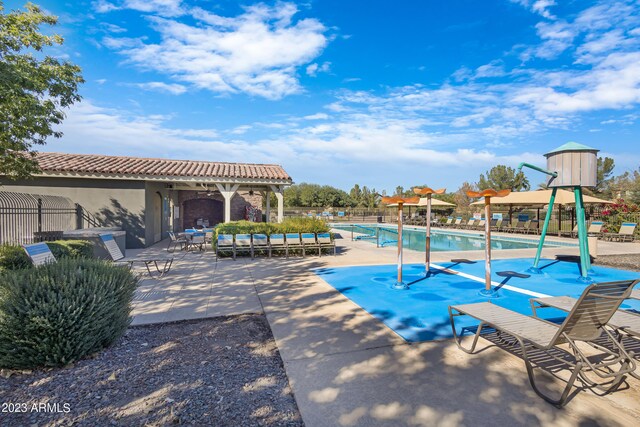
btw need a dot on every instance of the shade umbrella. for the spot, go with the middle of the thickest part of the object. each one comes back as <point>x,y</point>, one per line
<point>428,201</point>
<point>488,194</point>
<point>541,197</point>
<point>400,202</point>
<point>423,202</point>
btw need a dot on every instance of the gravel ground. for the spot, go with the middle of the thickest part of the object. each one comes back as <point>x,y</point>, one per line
<point>224,372</point>
<point>627,262</point>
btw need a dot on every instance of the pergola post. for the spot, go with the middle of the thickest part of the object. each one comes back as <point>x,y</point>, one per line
<point>279,192</point>
<point>268,205</point>
<point>227,191</point>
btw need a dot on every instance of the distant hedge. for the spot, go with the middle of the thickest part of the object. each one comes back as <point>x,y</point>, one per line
<point>60,312</point>
<point>13,257</point>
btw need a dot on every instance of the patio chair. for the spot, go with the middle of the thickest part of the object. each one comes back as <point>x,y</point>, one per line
<point>495,226</point>
<point>277,242</point>
<point>176,240</point>
<point>162,264</point>
<point>243,244</point>
<point>325,241</point>
<point>585,323</point>
<point>457,223</point>
<point>39,253</point>
<point>309,242</point>
<point>293,242</point>
<point>595,228</point>
<point>197,241</point>
<point>480,225</point>
<point>448,223</point>
<point>208,235</point>
<point>624,234</point>
<point>225,242</point>
<point>260,244</point>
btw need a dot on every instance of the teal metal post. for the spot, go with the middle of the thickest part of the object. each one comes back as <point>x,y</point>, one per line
<point>586,240</point>
<point>582,236</point>
<point>543,234</point>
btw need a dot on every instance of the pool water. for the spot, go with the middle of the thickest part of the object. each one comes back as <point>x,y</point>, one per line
<point>420,313</point>
<point>441,240</point>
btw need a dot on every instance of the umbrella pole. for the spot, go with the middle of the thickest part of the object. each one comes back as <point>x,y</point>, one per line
<point>399,284</point>
<point>487,244</point>
<point>428,240</point>
<point>543,234</point>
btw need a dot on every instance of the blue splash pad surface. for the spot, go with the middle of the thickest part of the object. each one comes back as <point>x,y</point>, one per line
<point>421,312</point>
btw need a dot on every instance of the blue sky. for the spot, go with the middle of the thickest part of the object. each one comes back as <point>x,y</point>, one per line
<point>378,93</point>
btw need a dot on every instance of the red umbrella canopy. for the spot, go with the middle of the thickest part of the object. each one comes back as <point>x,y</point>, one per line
<point>389,200</point>
<point>489,192</point>
<point>426,190</point>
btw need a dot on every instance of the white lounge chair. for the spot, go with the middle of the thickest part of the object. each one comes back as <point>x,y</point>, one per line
<point>161,264</point>
<point>585,323</point>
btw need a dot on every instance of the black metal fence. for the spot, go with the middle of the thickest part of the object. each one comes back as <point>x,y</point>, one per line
<point>28,218</point>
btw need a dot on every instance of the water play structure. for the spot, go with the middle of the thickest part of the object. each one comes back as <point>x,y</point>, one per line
<point>428,192</point>
<point>487,194</point>
<point>574,166</point>
<point>400,201</point>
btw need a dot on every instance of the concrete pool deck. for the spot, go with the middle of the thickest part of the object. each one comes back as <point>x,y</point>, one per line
<point>347,368</point>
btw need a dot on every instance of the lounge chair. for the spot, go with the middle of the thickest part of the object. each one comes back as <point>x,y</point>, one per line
<point>176,240</point>
<point>277,242</point>
<point>448,223</point>
<point>309,242</point>
<point>162,264</point>
<point>531,227</point>
<point>622,321</point>
<point>480,225</point>
<point>571,233</point>
<point>457,223</point>
<point>260,244</point>
<point>509,228</point>
<point>585,323</point>
<point>294,242</point>
<point>243,244</point>
<point>624,234</point>
<point>496,224</point>
<point>325,241</point>
<point>39,253</point>
<point>225,242</point>
<point>469,225</point>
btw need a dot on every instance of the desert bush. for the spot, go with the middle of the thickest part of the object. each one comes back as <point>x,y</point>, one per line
<point>13,257</point>
<point>62,311</point>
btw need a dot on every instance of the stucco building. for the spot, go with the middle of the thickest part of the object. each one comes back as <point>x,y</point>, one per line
<point>149,197</point>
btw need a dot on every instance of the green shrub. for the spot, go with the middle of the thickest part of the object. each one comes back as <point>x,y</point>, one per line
<point>13,258</point>
<point>71,249</point>
<point>60,312</point>
<point>289,225</point>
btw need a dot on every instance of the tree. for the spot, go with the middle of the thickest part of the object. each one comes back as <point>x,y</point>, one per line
<point>399,191</point>
<point>460,197</point>
<point>33,91</point>
<point>502,177</point>
<point>604,174</point>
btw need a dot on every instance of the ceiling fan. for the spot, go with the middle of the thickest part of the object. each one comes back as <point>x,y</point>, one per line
<point>208,192</point>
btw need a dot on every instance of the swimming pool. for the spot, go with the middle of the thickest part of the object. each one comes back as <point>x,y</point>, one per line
<point>441,240</point>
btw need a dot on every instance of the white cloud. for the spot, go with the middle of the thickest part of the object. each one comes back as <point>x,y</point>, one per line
<point>257,52</point>
<point>317,116</point>
<point>315,68</point>
<point>172,88</point>
<point>160,7</point>
<point>541,7</point>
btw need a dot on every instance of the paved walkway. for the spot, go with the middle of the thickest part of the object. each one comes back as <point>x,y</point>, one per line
<point>347,368</point>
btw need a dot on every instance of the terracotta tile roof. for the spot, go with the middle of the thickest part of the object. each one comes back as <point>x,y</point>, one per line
<point>99,164</point>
